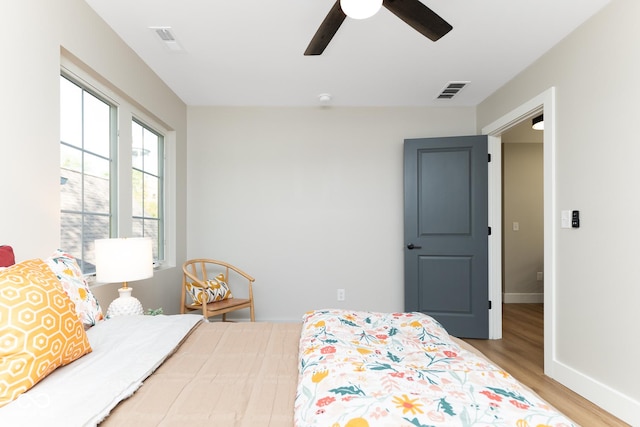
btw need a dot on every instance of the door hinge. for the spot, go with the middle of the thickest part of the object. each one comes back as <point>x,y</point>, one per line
<point>489,157</point>
<point>489,231</point>
<point>489,304</point>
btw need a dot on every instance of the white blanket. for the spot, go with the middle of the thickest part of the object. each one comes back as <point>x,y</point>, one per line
<point>126,350</point>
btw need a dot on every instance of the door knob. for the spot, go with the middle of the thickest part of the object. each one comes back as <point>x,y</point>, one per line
<point>412,246</point>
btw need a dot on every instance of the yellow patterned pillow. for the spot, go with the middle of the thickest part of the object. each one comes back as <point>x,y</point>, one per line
<point>39,328</point>
<point>215,290</point>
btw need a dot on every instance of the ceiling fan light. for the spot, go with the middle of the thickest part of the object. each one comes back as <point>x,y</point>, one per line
<point>538,122</point>
<point>360,9</point>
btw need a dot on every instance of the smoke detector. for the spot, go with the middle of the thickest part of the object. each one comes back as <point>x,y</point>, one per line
<point>324,98</point>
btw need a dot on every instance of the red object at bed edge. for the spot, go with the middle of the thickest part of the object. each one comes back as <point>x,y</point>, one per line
<point>7,258</point>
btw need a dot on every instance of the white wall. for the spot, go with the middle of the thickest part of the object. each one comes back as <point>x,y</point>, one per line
<point>595,71</point>
<point>29,113</point>
<point>307,200</point>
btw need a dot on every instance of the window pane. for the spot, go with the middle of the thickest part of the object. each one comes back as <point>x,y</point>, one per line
<point>151,231</point>
<point>95,227</point>
<point>96,125</point>
<point>147,187</point>
<point>96,185</point>
<point>151,152</point>
<point>138,193</point>
<point>70,113</point>
<point>137,146</point>
<point>96,166</point>
<point>71,233</point>
<point>150,196</point>
<point>88,263</point>
<point>85,171</point>
<point>138,227</point>
<point>70,179</point>
<point>70,158</point>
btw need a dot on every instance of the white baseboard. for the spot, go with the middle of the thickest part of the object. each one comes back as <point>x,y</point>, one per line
<point>522,298</point>
<point>612,401</point>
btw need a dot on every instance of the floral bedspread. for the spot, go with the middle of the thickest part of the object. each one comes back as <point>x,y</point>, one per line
<point>360,369</point>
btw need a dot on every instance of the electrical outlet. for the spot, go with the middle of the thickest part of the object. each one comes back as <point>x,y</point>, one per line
<point>539,276</point>
<point>341,295</point>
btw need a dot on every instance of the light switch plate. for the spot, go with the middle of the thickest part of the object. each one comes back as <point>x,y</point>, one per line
<point>565,218</point>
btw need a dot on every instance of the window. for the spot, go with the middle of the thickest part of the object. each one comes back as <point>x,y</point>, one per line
<point>112,180</point>
<point>87,138</point>
<point>147,184</point>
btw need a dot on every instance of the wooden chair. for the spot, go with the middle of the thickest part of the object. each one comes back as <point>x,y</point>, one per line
<point>199,271</point>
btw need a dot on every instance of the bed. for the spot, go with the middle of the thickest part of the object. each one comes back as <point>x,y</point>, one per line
<point>335,368</point>
<point>403,369</point>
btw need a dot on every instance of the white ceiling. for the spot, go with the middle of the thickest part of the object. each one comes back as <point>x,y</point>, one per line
<point>250,52</point>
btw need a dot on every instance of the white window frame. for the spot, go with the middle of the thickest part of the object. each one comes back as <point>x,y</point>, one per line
<point>127,111</point>
<point>161,177</point>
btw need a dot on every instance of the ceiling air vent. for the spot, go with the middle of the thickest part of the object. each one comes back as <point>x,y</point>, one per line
<point>168,39</point>
<point>452,89</point>
<point>165,34</point>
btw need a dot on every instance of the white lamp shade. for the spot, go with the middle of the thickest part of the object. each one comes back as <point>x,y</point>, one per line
<point>123,259</point>
<point>360,9</point>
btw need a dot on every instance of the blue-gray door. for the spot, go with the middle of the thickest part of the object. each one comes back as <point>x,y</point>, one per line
<point>446,232</point>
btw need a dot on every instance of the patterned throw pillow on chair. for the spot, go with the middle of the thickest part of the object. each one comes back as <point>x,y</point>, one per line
<point>215,290</point>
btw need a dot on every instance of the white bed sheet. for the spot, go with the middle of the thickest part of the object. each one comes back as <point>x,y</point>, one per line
<point>126,350</point>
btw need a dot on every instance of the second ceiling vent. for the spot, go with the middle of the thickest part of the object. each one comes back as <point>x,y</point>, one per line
<point>452,89</point>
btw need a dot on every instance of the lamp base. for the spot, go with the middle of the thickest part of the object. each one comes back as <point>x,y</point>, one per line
<point>125,305</point>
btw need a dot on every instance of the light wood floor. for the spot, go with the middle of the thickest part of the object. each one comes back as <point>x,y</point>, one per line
<point>520,352</point>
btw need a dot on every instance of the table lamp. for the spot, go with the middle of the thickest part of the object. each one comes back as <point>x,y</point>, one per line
<point>124,260</point>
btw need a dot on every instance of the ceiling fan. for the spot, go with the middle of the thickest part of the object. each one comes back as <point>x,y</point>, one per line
<point>413,12</point>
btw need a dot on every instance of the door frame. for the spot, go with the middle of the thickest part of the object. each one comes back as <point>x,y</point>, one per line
<point>543,102</point>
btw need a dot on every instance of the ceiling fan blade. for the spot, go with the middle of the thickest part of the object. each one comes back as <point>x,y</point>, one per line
<point>420,17</point>
<point>327,30</point>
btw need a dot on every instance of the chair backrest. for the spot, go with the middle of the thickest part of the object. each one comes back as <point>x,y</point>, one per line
<point>200,270</point>
<point>206,268</point>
